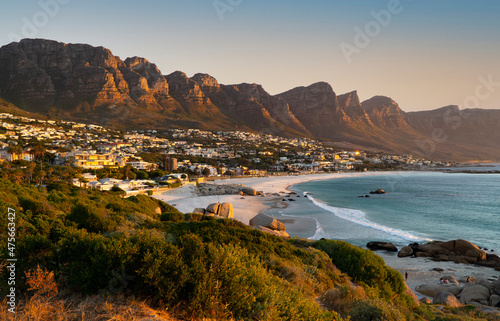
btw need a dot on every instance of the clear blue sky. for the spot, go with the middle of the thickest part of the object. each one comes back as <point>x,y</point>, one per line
<point>430,54</point>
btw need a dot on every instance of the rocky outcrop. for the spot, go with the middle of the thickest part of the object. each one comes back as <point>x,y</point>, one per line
<point>268,224</point>
<point>267,221</point>
<point>226,210</point>
<point>272,232</point>
<point>383,246</point>
<point>218,210</point>
<point>475,293</point>
<point>378,191</point>
<point>237,189</point>
<point>446,298</point>
<point>459,251</point>
<point>431,289</point>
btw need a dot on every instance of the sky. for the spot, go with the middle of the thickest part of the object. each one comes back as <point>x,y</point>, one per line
<point>424,54</point>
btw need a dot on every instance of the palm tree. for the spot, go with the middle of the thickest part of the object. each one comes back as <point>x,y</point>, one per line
<point>14,150</point>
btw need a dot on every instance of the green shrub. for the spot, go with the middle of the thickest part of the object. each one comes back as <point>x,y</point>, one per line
<point>193,217</point>
<point>363,266</point>
<point>91,219</point>
<point>375,310</point>
<point>172,217</point>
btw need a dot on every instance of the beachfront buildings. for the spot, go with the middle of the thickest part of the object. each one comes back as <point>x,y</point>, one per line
<point>94,161</point>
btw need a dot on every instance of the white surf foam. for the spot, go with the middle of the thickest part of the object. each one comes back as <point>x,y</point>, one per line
<point>359,217</point>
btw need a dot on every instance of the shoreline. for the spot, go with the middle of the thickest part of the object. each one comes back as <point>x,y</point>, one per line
<point>420,270</point>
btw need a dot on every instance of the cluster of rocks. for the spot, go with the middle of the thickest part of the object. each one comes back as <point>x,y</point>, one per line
<point>483,293</point>
<point>459,251</point>
<point>269,225</point>
<point>379,191</point>
<point>218,210</point>
<point>236,189</point>
<point>382,246</point>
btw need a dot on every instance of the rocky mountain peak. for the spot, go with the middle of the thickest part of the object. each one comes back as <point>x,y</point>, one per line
<point>207,83</point>
<point>349,100</point>
<point>379,102</point>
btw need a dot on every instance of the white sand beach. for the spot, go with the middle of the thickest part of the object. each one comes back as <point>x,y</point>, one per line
<point>185,200</point>
<point>420,270</point>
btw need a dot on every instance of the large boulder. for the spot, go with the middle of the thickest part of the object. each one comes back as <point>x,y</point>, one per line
<point>431,289</point>
<point>273,232</point>
<point>433,249</point>
<point>213,208</point>
<point>248,190</point>
<point>486,283</point>
<point>379,191</point>
<point>425,300</point>
<point>475,293</point>
<point>409,292</point>
<point>199,211</point>
<point>496,286</point>
<point>226,210</point>
<point>405,252</point>
<point>267,221</point>
<point>383,246</point>
<point>464,248</point>
<point>495,300</point>
<point>446,298</point>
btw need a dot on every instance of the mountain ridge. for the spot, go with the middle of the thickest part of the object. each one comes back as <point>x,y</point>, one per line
<point>86,83</point>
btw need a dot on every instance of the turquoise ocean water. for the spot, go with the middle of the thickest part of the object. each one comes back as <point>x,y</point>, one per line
<point>418,206</point>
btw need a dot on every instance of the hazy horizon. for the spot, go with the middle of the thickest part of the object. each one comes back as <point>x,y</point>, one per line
<point>424,55</point>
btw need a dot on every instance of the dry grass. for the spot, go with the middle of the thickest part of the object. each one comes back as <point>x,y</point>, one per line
<point>46,302</point>
<point>117,308</point>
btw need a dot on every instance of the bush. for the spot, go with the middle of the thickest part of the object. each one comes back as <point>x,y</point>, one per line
<point>363,266</point>
<point>376,310</point>
<point>91,219</point>
<point>193,217</point>
<point>172,217</point>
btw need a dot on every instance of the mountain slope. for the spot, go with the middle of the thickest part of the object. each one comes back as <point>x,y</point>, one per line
<point>85,83</point>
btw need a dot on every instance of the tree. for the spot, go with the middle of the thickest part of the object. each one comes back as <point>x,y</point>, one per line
<point>206,172</point>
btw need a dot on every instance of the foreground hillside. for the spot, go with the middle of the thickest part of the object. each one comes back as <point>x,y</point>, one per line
<point>82,252</point>
<point>90,84</point>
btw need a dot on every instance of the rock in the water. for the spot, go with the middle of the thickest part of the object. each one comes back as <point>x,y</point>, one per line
<point>226,210</point>
<point>431,289</point>
<point>475,293</point>
<point>446,298</point>
<point>379,191</point>
<point>267,221</point>
<point>199,211</point>
<point>405,252</point>
<point>213,208</point>
<point>425,300</point>
<point>384,246</point>
<point>273,232</point>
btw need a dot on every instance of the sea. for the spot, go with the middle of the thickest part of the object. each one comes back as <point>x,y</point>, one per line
<point>417,207</point>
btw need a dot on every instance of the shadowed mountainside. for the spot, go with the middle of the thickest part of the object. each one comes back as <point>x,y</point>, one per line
<point>85,83</point>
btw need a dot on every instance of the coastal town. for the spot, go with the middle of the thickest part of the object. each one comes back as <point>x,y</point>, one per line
<point>178,156</point>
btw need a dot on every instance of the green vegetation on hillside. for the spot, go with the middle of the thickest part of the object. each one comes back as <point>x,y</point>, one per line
<point>98,243</point>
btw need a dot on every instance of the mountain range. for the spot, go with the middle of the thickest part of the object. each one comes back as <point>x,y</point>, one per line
<point>85,83</point>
